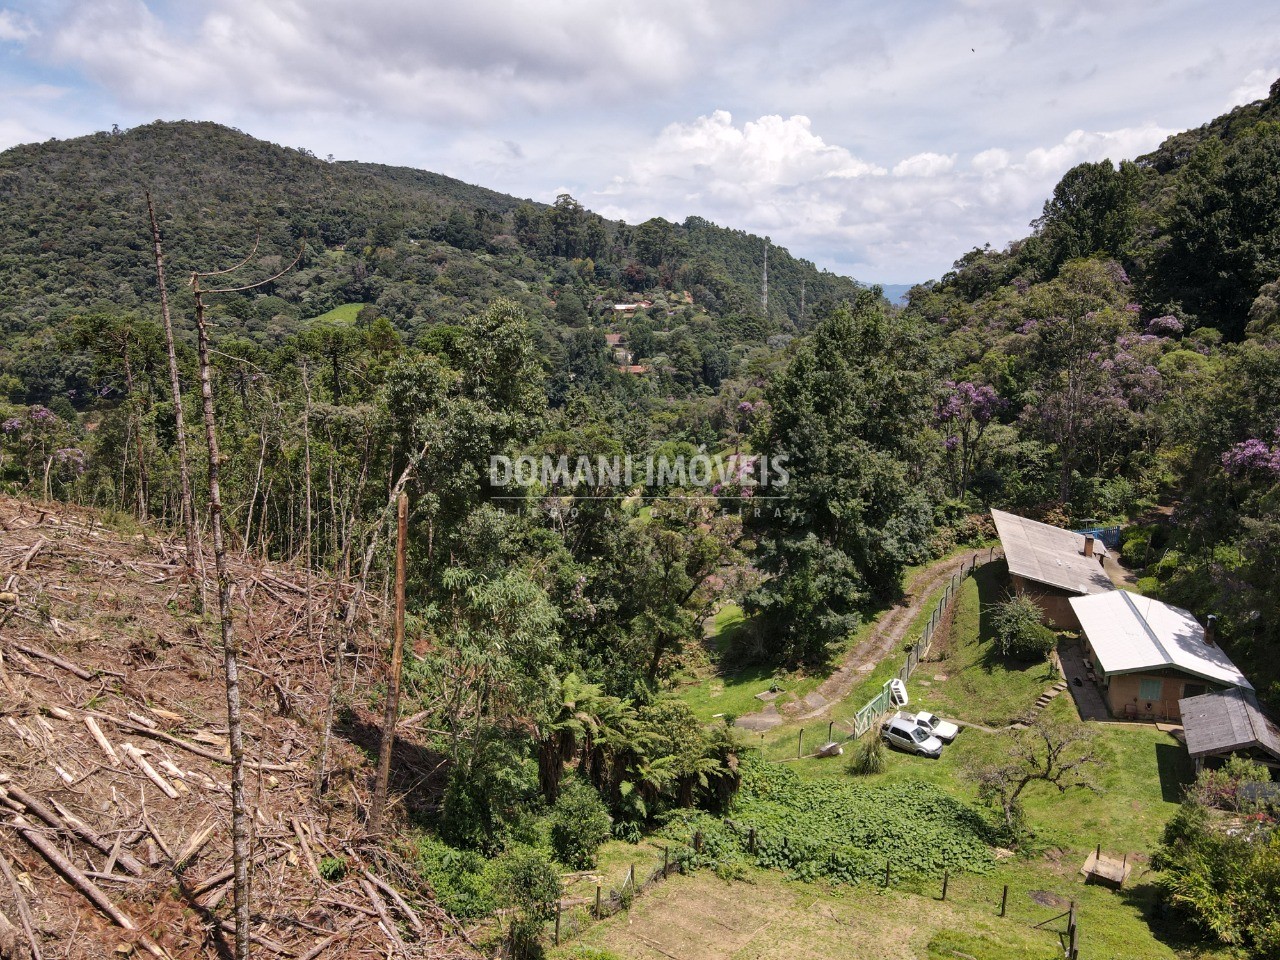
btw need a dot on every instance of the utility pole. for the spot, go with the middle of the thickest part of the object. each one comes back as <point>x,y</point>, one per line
<point>389,717</point>
<point>764,281</point>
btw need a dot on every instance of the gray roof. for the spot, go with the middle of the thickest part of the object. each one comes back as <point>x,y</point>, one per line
<point>1225,721</point>
<point>1051,555</point>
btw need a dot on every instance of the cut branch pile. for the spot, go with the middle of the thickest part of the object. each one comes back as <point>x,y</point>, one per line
<point>114,815</point>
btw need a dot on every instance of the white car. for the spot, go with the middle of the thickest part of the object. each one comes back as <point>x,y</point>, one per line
<point>944,730</point>
<point>906,734</point>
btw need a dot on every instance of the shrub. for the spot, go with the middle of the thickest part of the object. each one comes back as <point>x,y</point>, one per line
<point>526,880</point>
<point>579,825</point>
<point>1221,787</point>
<point>460,878</point>
<point>332,869</point>
<point>868,756</point>
<point>1019,631</point>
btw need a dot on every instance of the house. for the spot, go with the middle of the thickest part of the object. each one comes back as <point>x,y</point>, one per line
<point>1051,565</point>
<point>1148,655</point>
<point>1226,722</point>
<point>634,368</point>
<point>632,307</point>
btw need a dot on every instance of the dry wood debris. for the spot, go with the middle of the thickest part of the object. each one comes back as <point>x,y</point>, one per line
<point>114,821</point>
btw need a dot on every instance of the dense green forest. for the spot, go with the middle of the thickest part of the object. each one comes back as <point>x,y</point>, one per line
<point>1121,363</point>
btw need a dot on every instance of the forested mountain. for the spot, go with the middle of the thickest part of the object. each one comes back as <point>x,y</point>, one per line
<point>418,248</point>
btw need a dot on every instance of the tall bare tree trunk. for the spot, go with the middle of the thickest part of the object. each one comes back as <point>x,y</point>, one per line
<point>395,668</point>
<point>184,471</point>
<point>230,649</point>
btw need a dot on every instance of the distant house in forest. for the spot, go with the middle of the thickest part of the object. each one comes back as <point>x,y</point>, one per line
<point>1148,656</point>
<point>1051,565</point>
<point>632,307</point>
<point>1229,722</point>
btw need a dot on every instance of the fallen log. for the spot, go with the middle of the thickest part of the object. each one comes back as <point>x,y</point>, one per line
<point>134,754</point>
<point>91,891</point>
<point>191,747</point>
<point>24,912</point>
<point>57,661</point>
<point>24,801</point>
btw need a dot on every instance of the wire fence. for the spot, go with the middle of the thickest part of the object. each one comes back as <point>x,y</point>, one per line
<point>574,915</point>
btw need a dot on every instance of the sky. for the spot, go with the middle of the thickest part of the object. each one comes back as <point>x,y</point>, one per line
<point>879,139</point>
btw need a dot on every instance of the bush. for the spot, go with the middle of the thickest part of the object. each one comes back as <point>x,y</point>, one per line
<point>579,825</point>
<point>1226,882</point>
<point>526,880</point>
<point>1221,787</point>
<point>1019,631</point>
<point>868,756</point>
<point>460,878</point>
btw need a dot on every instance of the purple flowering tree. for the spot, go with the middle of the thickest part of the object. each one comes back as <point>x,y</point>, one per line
<point>1253,457</point>
<point>964,412</point>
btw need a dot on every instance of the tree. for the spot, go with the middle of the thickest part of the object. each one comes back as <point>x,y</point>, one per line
<point>1091,212</point>
<point>965,410</point>
<point>527,882</point>
<point>1060,754</point>
<point>848,411</point>
<point>1019,631</point>
<point>1226,881</point>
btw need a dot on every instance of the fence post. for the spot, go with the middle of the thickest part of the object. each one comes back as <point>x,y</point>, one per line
<point>558,908</point>
<point>886,873</point>
<point>697,841</point>
<point>800,744</point>
<point>751,840</point>
<point>1004,899</point>
<point>631,877</point>
<point>830,726</point>
<point>946,876</point>
<point>599,915</point>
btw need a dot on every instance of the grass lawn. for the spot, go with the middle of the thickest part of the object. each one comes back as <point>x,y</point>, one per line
<point>346,313</point>
<point>971,680</point>
<point>720,691</point>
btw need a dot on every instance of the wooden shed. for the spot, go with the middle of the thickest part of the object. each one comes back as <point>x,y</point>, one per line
<point>1226,723</point>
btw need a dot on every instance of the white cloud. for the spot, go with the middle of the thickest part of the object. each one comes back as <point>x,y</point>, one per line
<point>472,61</point>
<point>15,27</point>
<point>924,165</point>
<point>1255,86</point>
<point>779,177</point>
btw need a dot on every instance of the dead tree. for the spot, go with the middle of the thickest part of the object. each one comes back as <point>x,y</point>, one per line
<point>240,820</point>
<point>184,471</point>
<point>395,668</point>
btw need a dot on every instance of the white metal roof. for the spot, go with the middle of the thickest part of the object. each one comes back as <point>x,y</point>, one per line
<point>1130,633</point>
<point>1051,555</point>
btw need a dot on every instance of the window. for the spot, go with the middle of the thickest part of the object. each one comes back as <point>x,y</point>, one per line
<point>1193,689</point>
<point>1149,689</point>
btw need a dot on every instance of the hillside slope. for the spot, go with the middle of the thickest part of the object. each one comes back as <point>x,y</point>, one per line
<point>420,247</point>
<point>98,625</point>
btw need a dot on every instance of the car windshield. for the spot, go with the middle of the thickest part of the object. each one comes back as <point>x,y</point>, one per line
<point>920,735</point>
